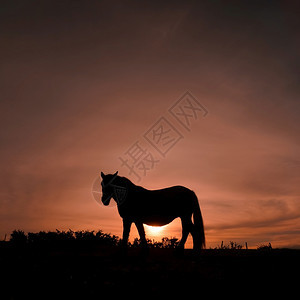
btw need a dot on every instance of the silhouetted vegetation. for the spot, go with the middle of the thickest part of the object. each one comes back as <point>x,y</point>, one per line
<point>86,237</point>
<point>264,247</point>
<point>19,237</point>
<point>166,243</point>
<point>230,246</point>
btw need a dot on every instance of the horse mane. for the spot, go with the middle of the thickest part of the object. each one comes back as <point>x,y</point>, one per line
<point>121,179</point>
<point>128,183</point>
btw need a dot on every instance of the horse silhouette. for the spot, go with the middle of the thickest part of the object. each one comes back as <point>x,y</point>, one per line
<point>154,207</point>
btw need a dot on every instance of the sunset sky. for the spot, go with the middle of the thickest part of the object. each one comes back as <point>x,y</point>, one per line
<point>83,81</point>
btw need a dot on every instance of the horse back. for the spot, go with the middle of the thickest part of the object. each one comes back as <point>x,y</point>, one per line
<point>166,204</point>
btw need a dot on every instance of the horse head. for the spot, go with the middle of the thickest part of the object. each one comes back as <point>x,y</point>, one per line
<point>112,190</point>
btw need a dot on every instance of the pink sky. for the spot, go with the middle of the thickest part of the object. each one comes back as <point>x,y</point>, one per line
<point>80,83</point>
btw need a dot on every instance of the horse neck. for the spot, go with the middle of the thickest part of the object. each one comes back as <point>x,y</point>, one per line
<point>125,182</point>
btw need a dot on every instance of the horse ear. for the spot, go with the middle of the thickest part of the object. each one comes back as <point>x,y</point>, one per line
<point>102,175</point>
<point>116,173</point>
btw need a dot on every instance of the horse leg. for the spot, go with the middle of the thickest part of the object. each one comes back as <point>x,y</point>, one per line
<point>141,231</point>
<point>126,231</point>
<point>187,224</point>
<point>196,243</point>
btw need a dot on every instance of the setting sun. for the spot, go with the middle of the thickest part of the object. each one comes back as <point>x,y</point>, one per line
<point>154,230</point>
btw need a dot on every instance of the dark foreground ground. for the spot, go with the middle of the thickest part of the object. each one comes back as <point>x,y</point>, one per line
<point>94,273</point>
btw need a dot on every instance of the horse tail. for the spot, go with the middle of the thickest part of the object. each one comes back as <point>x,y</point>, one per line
<point>199,234</point>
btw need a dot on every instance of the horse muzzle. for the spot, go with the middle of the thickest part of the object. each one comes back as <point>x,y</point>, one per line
<point>106,199</point>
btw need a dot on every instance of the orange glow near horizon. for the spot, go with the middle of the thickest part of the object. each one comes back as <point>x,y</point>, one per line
<point>155,231</point>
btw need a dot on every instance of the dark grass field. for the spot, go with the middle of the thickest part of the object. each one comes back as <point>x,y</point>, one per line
<point>94,272</point>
